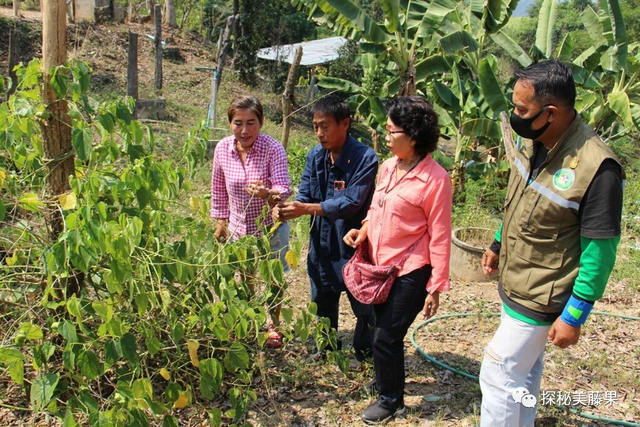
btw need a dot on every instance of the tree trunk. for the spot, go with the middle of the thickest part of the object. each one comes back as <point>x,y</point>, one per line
<point>217,73</point>
<point>288,98</point>
<point>14,44</point>
<point>158,46</point>
<point>236,13</point>
<point>171,13</point>
<point>408,80</point>
<point>16,8</point>
<point>56,128</point>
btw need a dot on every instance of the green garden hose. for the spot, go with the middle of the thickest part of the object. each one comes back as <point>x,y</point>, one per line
<point>475,378</point>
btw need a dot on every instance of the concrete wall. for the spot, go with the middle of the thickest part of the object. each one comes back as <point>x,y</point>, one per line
<point>92,10</point>
<point>84,10</point>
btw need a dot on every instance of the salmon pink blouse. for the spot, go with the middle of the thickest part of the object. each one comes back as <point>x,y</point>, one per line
<point>404,211</point>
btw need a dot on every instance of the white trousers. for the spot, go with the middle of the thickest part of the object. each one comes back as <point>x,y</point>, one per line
<point>513,359</point>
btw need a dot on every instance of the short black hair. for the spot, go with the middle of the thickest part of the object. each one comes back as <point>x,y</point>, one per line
<point>552,82</point>
<point>418,120</point>
<point>333,106</point>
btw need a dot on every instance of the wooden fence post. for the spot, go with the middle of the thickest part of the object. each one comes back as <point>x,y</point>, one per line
<point>288,99</point>
<point>14,51</point>
<point>158,46</point>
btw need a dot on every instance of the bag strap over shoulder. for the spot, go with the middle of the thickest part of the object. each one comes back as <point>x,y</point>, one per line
<point>409,252</point>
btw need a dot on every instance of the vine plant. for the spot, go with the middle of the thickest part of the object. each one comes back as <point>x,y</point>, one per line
<point>161,322</point>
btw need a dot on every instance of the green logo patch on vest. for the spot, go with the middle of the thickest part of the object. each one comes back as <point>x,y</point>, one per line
<point>564,179</point>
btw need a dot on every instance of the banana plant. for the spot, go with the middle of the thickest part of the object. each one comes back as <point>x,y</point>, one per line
<point>422,42</point>
<point>608,71</point>
<point>401,41</point>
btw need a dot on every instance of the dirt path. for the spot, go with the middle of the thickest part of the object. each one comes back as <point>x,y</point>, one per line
<point>29,15</point>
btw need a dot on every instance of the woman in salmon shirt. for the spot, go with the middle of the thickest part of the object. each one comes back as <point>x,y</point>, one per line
<point>411,206</point>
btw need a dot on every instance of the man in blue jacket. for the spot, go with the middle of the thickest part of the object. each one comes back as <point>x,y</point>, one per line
<point>336,189</point>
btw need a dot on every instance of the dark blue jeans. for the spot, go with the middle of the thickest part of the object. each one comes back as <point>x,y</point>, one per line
<point>328,302</point>
<point>392,321</point>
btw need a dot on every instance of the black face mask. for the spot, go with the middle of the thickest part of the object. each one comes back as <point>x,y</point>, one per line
<point>523,126</point>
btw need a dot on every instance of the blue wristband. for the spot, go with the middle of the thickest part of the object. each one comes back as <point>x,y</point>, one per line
<point>576,311</point>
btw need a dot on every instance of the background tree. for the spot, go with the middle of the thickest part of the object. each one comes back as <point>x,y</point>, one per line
<point>170,9</point>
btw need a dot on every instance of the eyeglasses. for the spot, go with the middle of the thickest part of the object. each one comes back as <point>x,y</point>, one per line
<point>393,132</point>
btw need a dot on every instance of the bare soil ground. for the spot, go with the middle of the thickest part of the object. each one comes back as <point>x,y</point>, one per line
<point>317,394</point>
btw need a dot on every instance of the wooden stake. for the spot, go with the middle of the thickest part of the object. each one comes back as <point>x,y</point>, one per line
<point>158,46</point>
<point>132,67</point>
<point>288,96</point>
<point>14,51</point>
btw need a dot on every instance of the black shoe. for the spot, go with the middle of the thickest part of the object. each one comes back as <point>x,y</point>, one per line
<point>376,414</point>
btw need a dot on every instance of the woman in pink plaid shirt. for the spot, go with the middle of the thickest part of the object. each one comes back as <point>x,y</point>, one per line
<point>249,177</point>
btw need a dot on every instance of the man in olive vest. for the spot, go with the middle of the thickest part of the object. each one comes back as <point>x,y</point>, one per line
<point>556,246</point>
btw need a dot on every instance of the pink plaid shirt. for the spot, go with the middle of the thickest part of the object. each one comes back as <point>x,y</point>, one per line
<point>266,161</point>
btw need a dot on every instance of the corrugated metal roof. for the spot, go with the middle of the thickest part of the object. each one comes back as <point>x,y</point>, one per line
<point>314,52</point>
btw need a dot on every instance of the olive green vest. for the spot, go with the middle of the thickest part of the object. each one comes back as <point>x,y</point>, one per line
<point>540,252</point>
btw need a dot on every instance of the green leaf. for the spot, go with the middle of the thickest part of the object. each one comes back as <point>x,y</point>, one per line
<point>215,417</point>
<point>106,121</point>
<point>104,310</point>
<point>457,41</point>
<point>335,83</point>
<point>112,352</point>
<point>391,12</point>
<point>89,365</point>
<point>73,307</point>
<point>69,420</point>
<point>620,104</point>
<point>512,48</point>
<point>354,17</point>
<point>28,331</point>
<point>211,375</point>
<point>592,23</point>
<point>172,392</point>
<point>81,141</point>
<point>68,331</point>
<point>123,113</point>
<point>59,82</point>
<point>169,421</point>
<point>129,348</point>
<point>142,388</point>
<point>236,358</point>
<point>14,359</point>
<point>30,202</point>
<point>177,333</point>
<point>446,96</point>
<point>42,388</point>
<point>69,358</point>
<point>546,25</point>
<point>491,89</point>
<point>566,48</point>
<point>143,195</point>
<point>42,353</point>
<point>3,211</point>
<point>481,127</point>
<point>137,418</point>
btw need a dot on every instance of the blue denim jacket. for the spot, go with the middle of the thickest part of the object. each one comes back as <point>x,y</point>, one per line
<point>345,206</point>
